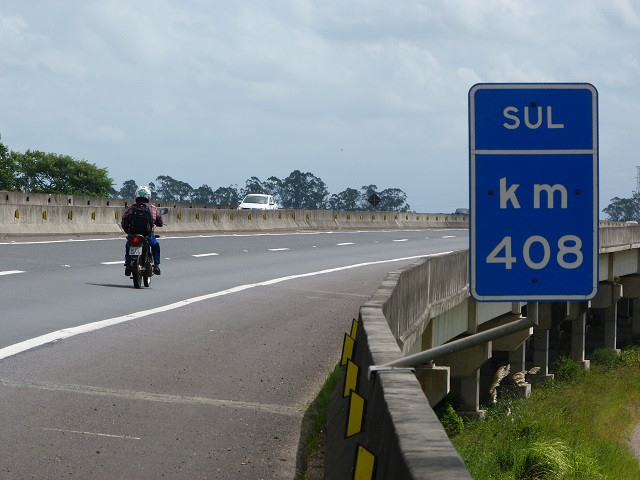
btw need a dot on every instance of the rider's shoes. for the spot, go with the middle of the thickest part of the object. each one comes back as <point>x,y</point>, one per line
<point>127,271</point>
<point>156,270</point>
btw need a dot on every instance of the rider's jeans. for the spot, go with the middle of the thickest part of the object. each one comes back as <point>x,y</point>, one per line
<point>155,249</point>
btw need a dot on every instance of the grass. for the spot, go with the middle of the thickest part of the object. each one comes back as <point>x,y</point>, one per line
<point>574,428</point>
<point>314,421</point>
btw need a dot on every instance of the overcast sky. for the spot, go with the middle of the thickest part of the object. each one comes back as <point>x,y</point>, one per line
<point>356,92</point>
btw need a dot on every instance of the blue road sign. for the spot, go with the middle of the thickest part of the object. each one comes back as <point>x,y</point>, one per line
<point>533,158</point>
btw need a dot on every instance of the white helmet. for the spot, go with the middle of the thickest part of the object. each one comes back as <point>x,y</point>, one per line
<point>143,192</point>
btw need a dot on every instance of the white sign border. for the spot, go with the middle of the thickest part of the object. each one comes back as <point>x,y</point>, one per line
<point>472,187</point>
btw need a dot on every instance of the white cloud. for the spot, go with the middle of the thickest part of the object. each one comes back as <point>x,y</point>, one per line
<point>358,92</point>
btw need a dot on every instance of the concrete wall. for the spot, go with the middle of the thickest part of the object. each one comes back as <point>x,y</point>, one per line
<point>24,214</point>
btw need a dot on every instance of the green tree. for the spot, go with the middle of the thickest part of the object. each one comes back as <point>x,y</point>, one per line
<point>252,185</point>
<point>303,190</point>
<point>393,200</point>
<point>347,200</point>
<point>128,189</point>
<point>41,172</point>
<point>7,170</point>
<point>624,209</point>
<point>172,190</point>
<point>226,196</point>
<point>202,194</point>
<point>366,192</point>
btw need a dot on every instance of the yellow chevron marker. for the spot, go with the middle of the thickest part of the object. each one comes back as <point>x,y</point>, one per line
<point>356,414</point>
<point>354,328</point>
<point>347,348</point>
<point>350,378</point>
<point>365,464</point>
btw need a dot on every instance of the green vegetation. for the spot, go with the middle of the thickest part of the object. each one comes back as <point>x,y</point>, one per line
<point>40,172</point>
<point>298,190</point>
<point>315,418</point>
<point>575,428</point>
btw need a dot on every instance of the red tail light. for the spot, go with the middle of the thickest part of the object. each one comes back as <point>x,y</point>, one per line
<point>136,240</point>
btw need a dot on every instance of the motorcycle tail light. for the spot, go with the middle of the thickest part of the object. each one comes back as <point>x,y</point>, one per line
<point>136,240</point>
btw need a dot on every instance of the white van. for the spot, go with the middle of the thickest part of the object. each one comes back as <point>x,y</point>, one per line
<point>258,201</point>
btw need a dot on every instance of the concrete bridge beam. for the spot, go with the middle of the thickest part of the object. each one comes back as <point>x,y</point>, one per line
<point>435,382</point>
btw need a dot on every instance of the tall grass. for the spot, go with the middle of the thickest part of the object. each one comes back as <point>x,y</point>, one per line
<point>574,428</point>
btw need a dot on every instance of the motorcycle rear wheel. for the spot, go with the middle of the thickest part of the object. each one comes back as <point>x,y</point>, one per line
<point>146,276</point>
<point>136,273</point>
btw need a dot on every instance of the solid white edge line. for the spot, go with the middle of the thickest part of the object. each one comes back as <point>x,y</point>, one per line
<point>89,327</point>
<point>11,272</point>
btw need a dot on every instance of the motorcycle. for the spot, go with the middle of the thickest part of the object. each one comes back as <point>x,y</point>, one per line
<point>141,258</point>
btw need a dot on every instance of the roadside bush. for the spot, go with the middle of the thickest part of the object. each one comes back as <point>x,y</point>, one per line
<point>568,370</point>
<point>542,460</point>
<point>450,420</point>
<point>606,358</point>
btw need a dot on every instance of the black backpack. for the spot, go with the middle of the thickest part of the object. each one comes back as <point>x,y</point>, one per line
<point>140,220</point>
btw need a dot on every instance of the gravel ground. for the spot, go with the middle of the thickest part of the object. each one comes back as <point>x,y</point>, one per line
<point>634,442</point>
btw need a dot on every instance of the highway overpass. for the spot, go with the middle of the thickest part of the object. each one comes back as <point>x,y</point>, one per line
<point>421,305</point>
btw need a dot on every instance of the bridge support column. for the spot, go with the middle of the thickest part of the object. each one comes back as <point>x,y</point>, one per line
<point>611,326</point>
<point>635,319</point>
<point>631,290</point>
<point>517,362</point>
<point>607,299</point>
<point>578,332</point>
<point>470,395</point>
<point>541,354</point>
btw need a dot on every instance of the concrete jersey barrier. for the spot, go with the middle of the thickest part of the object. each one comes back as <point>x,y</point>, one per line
<point>28,214</point>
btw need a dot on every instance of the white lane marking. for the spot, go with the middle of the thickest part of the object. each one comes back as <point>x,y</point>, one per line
<point>278,249</point>
<point>136,395</point>
<point>89,327</point>
<point>205,255</point>
<point>126,437</point>
<point>345,243</point>
<point>402,240</point>
<point>119,262</point>
<point>448,236</point>
<point>164,237</point>
<point>11,272</point>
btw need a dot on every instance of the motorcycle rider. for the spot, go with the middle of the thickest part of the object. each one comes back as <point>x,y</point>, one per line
<point>143,195</point>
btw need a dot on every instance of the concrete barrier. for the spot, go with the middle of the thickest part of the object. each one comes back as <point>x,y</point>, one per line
<point>29,214</point>
<point>399,429</point>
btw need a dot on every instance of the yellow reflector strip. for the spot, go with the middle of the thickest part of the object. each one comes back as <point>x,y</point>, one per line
<point>356,414</point>
<point>350,378</point>
<point>365,464</point>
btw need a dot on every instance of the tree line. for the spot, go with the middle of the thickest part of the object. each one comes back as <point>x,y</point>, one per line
<point>40,172</point>
<point>298,190</point>
<point>624,209</point>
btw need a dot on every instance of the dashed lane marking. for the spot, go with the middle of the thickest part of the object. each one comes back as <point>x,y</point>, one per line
<point>62,430</point>
<point>152,397</point>
<point>205,255</point>
<point>11,272</point>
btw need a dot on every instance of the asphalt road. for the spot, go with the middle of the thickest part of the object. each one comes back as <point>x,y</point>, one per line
<point>204,375</point>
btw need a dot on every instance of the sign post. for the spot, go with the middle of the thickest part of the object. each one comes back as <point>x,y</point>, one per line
<point>533,161</point>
